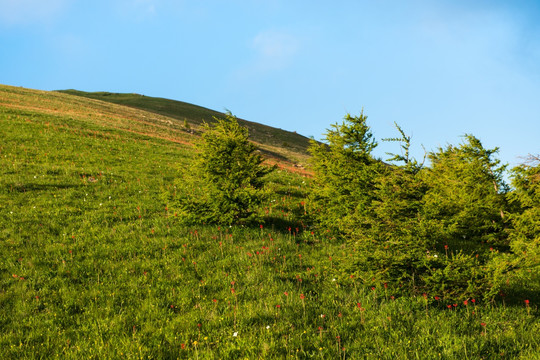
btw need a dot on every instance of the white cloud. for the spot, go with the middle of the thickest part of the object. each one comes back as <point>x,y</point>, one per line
<point>23,12</point>
<point>146,6</point>
<point>274,49</point>
<point>138,10</point>
<point>268,52</point>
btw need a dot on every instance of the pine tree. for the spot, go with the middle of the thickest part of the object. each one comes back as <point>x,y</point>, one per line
<point>394,247</point>
<point>525,233</point>
<point>225,183</point>
<point>345,173</point>
<point>467,194</point>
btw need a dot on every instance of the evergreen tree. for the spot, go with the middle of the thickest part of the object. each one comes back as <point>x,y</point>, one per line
<point>525,233</point>
<point>466,196</point>
<point>225,182</point>
<point>345,174</point>
<point>396,243</point>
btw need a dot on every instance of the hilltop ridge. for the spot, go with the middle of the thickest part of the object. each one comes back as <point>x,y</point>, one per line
<point>158,118</point>
<point>267,136</point>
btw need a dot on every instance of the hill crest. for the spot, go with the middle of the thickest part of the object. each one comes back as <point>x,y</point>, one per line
<point>159,118</point>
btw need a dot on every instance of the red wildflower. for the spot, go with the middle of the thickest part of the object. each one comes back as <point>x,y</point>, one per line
<point>302,296</point>
<point>527,302</point>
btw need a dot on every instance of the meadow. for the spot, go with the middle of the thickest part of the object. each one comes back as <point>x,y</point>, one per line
<point>94,264</point>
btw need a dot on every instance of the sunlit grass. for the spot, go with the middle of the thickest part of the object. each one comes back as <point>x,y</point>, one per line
<point>94,265</point>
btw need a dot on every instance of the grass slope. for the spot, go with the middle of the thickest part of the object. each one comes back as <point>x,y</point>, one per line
<point>196,115</point>
<point>93,265</point>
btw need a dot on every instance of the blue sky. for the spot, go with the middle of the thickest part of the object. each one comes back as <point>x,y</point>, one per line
<point>439,69</point>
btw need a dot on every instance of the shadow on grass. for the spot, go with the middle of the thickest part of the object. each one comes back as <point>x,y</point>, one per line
<point>521,290</point>
<point>38,187</point>
<point>281,225</point>
<point>292,192</point>
<point>274,154</point>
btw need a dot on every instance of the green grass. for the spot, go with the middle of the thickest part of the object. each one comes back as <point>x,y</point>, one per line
<point>93,265</point>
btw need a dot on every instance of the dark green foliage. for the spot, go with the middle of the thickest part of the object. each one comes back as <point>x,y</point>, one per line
<point>400,217</point>
<point>394,246</point>
<point>345,175</point>
<point>466,195</point>
<point>525,234</point>
<point>462,276</point>
<point>225,182</point>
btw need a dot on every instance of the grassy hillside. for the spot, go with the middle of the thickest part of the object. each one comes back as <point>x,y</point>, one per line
<point>288,142</point>
<point>94,265</point>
